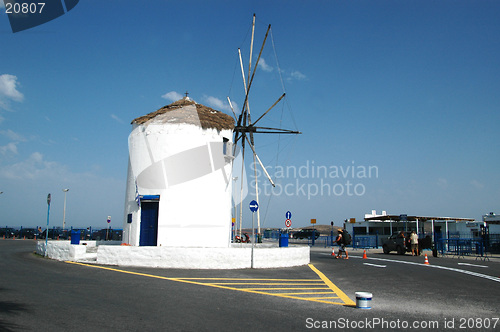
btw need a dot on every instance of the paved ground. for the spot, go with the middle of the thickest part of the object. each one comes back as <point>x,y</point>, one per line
<point>44,295</point>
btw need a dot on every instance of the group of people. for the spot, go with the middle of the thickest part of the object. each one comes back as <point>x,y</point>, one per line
<point>414,243</point>
<point>343,239</point>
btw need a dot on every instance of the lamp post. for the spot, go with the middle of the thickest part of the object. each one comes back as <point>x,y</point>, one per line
<point>64,209</point>
<point>47,230</point>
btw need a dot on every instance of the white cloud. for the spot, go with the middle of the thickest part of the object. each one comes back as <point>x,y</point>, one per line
<point>32,168</point>
<point>264,66</point>
<point>442,183</point>
<point>172,95</point>
<point>298,75</point>
<point>117,119</point>
<point>13,135</point>
<point>8,88</point>
<point>218,104</point>
<point>11,147</point>
<point>476,184</point>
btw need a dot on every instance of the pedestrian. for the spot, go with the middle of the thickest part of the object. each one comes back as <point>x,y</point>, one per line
<point>414,243</point>
<point>341,243</point>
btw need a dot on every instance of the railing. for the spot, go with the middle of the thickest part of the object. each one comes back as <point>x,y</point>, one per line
<point>462,247</point>
<point>365,241</point>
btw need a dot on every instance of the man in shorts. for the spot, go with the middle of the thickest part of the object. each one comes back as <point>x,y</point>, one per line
<point>340,242</point>
<point>414,243</point>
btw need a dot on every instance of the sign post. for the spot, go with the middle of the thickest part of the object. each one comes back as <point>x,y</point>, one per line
<point>47,230</point>
<point>107,229</point>
<point>254,206</point>
<point>288,219</point>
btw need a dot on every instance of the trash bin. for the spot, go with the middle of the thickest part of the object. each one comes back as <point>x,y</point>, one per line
<point>259,238</point>
<point>283,240</point>
<point>75,237</point>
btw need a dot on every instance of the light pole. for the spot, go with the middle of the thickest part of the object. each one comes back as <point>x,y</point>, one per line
<point>64,210</point>
<point>47,230</point>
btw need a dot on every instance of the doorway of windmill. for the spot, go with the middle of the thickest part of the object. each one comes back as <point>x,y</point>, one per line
<point>149,223</point>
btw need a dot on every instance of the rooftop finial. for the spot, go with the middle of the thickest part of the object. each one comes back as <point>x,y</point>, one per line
<point>186,93</point>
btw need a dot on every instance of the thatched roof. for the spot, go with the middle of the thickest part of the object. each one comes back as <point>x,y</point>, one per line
<point>204,116</point>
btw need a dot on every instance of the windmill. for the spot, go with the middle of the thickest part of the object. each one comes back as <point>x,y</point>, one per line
<point>246,128</point>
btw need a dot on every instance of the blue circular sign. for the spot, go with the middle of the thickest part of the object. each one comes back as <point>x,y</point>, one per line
<point>288,215</point>
<point>254,206</point>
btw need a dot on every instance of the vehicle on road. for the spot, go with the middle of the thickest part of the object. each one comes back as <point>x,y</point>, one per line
<point>306,234</point>
<point>55,234</point>
<point>401,244</point>
<point>28,233</point>
<point>7,232</point>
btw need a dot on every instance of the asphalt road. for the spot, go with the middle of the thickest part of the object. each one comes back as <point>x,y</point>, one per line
<point>45,295</point>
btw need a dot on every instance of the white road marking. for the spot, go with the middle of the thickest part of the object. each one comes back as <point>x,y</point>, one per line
<point>375,265</point>
<point>472,265</point>
<point>480,275</point>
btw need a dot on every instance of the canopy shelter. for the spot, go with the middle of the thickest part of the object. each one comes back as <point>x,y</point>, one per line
<point>409,218</point>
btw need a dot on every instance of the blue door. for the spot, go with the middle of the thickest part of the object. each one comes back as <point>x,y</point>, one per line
<point>149,224</point>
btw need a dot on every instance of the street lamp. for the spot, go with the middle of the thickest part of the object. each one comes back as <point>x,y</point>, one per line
<point>64,210</point>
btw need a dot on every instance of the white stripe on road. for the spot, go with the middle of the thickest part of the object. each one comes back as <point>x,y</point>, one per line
<point>472,265</point>
<point>480,275</point>
<point>375,265</point>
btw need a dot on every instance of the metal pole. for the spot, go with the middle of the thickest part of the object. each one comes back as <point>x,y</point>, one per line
<point>64,209</point>
<point>253,238</point>
<point>47,230</point>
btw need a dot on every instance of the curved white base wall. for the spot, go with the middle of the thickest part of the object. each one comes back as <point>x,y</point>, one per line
<point>238,257</point>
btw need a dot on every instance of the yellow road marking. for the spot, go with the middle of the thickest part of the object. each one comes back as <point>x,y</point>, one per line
<point>273,291</point>
<point>332,286</point>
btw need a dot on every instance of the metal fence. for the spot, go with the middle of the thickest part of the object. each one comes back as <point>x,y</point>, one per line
<point>25,233</point>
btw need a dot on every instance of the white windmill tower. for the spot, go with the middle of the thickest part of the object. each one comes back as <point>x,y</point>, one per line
<point>246,128</point>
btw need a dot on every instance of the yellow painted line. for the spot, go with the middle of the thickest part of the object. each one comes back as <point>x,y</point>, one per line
<point>270,283</point>
<point>306,293</point>
<point>330,285</point>
<point>251,279</point>
<point>286,288</point>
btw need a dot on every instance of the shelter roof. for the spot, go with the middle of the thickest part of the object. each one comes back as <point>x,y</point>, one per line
<point>394,217</point>
<point>207,117</point>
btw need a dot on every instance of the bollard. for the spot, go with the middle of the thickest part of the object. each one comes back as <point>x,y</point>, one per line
<point>363,300</point>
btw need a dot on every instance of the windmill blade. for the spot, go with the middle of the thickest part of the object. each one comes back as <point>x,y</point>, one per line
<point>232,109</point>
<point>260,163</point>
<point>255,68</point>
<point>270,108</point>
<point>267,130</point>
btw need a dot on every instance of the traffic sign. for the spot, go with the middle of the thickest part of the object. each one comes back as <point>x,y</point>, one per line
<point>109,219</point>
<point>288,223</point>
<point>254,206</point>
<point>288,215</point>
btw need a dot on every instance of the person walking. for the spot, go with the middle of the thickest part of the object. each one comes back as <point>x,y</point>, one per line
<point>341,243</point>
<point>414,243</point>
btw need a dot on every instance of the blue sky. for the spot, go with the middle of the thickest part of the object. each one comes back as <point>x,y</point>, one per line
<point>408,88</point>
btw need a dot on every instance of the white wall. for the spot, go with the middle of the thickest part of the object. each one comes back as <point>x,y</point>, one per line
<point>195,200</point>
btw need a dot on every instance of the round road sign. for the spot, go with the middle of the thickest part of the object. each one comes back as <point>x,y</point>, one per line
<point>288,223</point>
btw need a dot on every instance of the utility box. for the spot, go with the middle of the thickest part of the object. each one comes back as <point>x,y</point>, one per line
<point>283,242</point>
<point>75,237</point>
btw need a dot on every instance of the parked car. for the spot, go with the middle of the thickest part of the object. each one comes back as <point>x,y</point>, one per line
<point>28,233</point>
<point>401,245</point>
<point>306,234</point>
<point>7,232</point>
<point>55,234</point>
